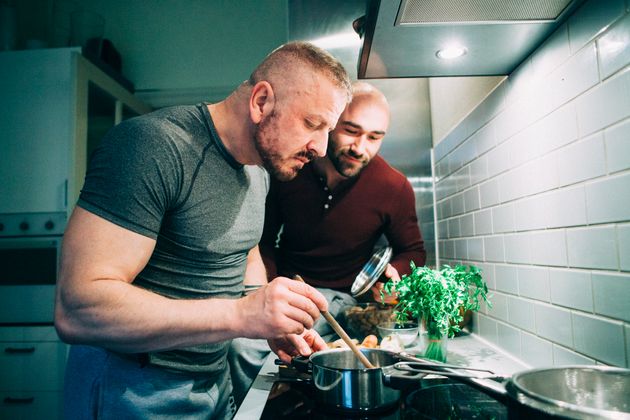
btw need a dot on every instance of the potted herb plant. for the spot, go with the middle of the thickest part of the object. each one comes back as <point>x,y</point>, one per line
<point>438,298</point>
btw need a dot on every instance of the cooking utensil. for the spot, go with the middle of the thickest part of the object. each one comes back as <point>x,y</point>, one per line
<point>341,333</point>
<point>341,381</point>
<point>371,271</point>
<point>579,392</point>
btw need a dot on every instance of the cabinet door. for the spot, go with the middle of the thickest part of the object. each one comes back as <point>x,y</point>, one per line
<point>30,406</point>
<point>27,304</point>
<point>32,366</point>
<point>37,121</point>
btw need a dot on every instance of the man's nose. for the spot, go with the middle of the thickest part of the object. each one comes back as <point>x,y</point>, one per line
<point>319,144</point>
<point>359,146</point>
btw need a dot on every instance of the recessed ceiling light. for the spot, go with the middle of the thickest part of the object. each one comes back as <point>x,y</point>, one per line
<point>449,53</point>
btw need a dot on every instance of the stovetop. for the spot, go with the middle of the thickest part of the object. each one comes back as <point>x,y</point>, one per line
<point>435,398</point>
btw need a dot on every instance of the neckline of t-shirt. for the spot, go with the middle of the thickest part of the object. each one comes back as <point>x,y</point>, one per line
<point>217,139</point>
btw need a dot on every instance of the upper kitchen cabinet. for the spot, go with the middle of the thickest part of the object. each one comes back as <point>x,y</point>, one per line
<point>56,107</point>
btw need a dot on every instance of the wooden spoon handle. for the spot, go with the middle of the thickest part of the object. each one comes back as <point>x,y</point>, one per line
<point>335,326</point>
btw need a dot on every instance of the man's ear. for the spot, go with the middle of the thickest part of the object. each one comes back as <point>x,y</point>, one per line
<point>261,101</point>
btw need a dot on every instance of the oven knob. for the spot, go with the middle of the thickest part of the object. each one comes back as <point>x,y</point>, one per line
<point>49,225</point>
<point>24,226</point>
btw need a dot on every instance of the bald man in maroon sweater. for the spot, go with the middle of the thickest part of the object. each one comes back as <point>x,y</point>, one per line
<point>325,223</point>
<point>334,212</point>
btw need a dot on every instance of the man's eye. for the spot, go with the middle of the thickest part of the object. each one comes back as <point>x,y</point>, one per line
<point>310,124</point>
<point>352,132</point>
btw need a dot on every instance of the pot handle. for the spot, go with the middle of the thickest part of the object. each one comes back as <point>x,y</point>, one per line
<point>325,384</point>
<point>486,383</point>
<point>432,364</point>
<point>300,363</point>
<point>419,367</point>
<point>394,378</point>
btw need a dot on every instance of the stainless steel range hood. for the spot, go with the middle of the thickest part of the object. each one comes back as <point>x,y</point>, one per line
<point>401,38</point>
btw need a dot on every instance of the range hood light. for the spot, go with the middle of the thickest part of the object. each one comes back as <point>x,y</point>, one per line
<point>449,53</point>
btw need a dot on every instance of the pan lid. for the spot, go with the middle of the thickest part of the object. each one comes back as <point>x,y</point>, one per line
<point>371,271</point>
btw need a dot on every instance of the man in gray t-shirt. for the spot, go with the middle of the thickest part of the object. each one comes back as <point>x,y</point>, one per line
<point>166,229</point>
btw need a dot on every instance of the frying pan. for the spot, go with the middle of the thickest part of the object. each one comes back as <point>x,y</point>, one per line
<point>576,392</point>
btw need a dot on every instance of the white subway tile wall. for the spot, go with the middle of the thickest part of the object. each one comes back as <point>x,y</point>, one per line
<point>536,351</point>
<point>534,188</point>
<point>533,283</point>
<point>600,338</point>
<point>623,235</point>
<point>563,356</point>
<point>509,338</point>
<point>571,288</point>
<point>618,146</point>
<point>554,323</point>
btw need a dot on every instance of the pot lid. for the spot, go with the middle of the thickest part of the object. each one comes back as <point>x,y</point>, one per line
<point>371,271</point>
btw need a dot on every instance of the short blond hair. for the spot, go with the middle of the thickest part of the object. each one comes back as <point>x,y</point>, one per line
<point>298,54</point>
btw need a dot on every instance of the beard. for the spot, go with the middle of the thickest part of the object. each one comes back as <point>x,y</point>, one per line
<point>266,140</point>
<point>347,168</point>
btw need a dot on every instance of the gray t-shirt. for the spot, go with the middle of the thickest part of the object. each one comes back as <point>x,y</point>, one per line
<point>166,175</point>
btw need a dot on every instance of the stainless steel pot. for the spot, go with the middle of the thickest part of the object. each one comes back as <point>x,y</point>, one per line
<point>342,382</point>
<point>576,392</point>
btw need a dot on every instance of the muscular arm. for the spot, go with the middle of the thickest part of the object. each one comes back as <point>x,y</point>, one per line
<point>98,304</point>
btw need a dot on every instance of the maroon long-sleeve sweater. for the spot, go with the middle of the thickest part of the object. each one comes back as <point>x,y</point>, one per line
<point>328,236</point>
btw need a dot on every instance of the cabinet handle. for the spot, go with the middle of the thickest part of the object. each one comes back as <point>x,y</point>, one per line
<point>14,350</point>
<point>12,400</point>
<point>65,194</point>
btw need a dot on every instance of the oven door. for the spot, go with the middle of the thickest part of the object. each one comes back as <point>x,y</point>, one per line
<point>28,274</point>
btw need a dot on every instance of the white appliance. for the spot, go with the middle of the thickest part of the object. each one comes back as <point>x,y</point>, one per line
<point>30,248</point>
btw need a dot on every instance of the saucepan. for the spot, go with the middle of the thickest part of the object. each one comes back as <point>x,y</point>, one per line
<point>343,383</point>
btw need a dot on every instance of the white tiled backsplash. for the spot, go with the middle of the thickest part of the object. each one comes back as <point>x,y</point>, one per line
<point>534,188</point>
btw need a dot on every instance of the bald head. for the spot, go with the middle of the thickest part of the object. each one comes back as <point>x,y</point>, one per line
<point>294,64</point>
<point>364,93</point>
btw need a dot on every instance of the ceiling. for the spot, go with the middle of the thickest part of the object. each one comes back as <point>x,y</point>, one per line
<point>401,37</point>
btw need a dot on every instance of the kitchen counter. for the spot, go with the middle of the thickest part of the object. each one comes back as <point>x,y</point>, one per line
<point>465,350</point>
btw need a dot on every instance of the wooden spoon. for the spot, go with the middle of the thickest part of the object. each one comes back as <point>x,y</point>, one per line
<point>335,326</point>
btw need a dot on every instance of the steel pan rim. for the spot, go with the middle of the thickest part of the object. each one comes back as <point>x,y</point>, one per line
<point>526,396</point>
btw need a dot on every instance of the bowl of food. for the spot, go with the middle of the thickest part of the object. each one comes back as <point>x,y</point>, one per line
<point>406,332</point>
<point>363,318</point>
